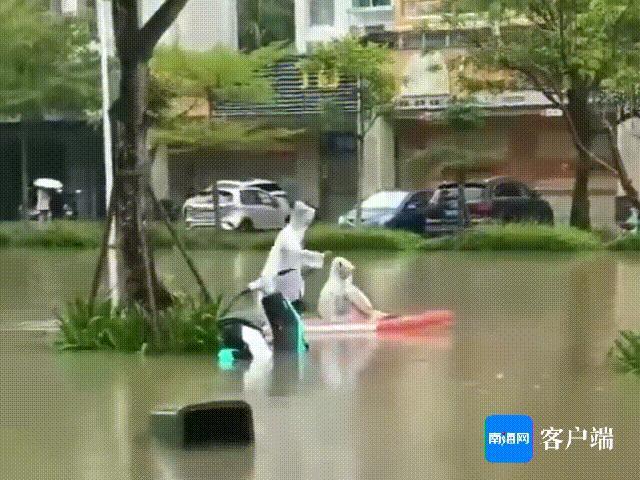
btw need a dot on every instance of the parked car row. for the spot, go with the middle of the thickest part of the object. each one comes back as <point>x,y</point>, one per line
<point>243,205</point>
<point>435,212</point>
<point>263,205</point>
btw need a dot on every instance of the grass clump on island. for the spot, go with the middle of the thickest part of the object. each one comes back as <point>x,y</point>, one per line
<point>625,353</point>
<point>517,237</point>
<point>189,326</point>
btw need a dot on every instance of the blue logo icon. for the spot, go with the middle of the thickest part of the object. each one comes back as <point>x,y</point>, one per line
<point>508,438</point>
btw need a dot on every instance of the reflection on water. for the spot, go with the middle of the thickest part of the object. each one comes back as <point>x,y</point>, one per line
<point>531,336</point>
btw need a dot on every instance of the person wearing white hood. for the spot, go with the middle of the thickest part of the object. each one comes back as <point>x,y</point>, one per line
<point>282,271</point>
<point>340,300</point>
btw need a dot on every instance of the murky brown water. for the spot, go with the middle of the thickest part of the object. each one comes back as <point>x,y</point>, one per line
<point>531,337</point>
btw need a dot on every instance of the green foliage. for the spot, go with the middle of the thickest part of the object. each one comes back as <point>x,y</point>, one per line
<point>189,134</point>
<point>518,237</point>
<point>349,57</point>
<point>463,116</point>
<point>452,160</point>
<point>104,328</point>
<point>331,237</point>
<point>218,74</point>
<point>190,326</point>
<point>625,354</point>
<point>5,239</point>
<point>625,243</point>
<point>56,234</point>
<point>564,44</point>
<point>47,63</point>
<point>76,234</point>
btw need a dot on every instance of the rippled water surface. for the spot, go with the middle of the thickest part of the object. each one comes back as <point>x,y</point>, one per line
<point>531,336</point>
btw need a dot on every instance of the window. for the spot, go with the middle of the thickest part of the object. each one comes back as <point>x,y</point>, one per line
<point>321,12</point>
<point>371,3</point>
<point>419,200</point>
<point>384,201</point>
<point>510,190</point>
<point>268,187</point>
<point>266,199</point>
<point>250,197</point>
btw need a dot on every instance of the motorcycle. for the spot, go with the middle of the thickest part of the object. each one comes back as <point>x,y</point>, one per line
<point>243,337</point>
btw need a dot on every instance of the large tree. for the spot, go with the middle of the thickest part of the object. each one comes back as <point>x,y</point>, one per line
<point>570,50</point>
<point>47,67</point>
<point>135,43</point>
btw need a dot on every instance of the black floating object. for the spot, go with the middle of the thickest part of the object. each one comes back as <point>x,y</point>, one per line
<point>219,422</point>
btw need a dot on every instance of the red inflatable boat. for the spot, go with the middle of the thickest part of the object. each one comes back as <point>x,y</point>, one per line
<point>410,324</point>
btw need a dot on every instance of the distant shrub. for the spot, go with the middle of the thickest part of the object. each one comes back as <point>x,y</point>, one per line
<point>625,243</point>
<point>5,239</point>
<point>329,237</point>
<point>57,234</point>
<point>518,236</point>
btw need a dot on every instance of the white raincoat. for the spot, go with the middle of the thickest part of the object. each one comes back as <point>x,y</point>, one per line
<point>340,300</point>
<point>288,253</point>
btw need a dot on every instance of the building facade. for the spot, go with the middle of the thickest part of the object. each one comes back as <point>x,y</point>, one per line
<point>523,135</point>
<point>323,20</point>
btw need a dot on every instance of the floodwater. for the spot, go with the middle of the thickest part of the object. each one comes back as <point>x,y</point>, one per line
<point>531,337</point>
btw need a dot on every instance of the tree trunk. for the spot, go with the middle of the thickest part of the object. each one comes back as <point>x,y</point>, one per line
<point>211,101</point>
<point>580,112</point>
<point>462,201</point>
<point>360,155</point>
<point>140,281</point>
<point>24,168</point>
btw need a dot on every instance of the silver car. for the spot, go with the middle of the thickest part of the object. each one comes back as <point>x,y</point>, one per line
<point>268,186</point>
<point>240,209</point>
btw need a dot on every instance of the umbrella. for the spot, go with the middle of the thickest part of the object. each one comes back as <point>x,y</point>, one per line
<point>48,183</point>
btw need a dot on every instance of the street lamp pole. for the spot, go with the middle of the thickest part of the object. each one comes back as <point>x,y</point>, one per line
<point>112,260</point>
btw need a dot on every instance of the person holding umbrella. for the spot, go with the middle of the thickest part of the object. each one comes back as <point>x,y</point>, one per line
<point>45,187</point>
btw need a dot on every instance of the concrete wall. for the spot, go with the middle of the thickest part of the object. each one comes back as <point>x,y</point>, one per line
<point>379,163</point>
<point>178,175</point>
<point>344,17</point>
<point>160,173</point>
<point>308,171</point>
<point>629,145</point>
<point>202,24</point>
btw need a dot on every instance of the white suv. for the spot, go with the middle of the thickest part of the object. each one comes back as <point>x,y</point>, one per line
<point>241,208</point>
<point>267,185</point>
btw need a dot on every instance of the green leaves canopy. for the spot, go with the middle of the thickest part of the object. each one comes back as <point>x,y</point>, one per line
<point>218,74</point>
<point>196,134</point>
<point>349,57</point>
<point>565,43</point>
<point>47,64</point>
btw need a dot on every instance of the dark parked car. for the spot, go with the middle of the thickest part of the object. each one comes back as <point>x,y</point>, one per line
<point>392,209</point>
<point>501,199</point>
